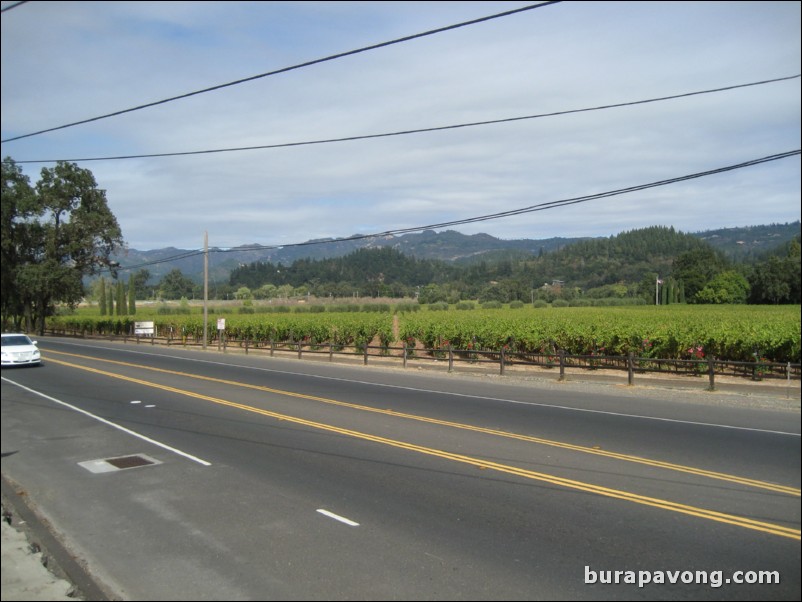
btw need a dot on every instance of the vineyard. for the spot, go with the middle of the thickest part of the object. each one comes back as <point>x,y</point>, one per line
<point>737,333</point>
<point>341,329</point>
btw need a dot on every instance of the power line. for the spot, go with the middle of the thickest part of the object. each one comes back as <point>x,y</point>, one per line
<point>186,255</point>
<point>492,216</point>
<point>421,130</point>
<point>292,68</point>
<point>570,201</point>
<point>601,195</point>
<point>14,5</point>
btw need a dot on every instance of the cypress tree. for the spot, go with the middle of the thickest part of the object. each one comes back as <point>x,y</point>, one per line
<point>102,301</point>
<point>121,299</point>
<point>131,297</point>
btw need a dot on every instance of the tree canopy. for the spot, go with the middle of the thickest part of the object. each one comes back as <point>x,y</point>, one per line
<point>175,286</point>
<point>53,234</point>
<point>776,280</point>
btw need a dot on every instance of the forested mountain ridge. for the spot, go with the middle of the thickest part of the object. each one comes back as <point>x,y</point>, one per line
<point>626,257</point>
<point>449,246</point>
<point>624,266</point>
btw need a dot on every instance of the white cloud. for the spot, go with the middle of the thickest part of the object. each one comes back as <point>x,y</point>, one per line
<point>63,62</point>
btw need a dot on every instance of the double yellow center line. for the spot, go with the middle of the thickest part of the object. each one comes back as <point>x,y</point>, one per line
<point>747,523</point>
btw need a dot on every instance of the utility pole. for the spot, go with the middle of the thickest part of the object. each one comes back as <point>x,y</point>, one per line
<point>205,288</point>
<point>657,284</point>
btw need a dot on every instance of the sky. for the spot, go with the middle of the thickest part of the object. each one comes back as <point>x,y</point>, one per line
<point>64,62</point>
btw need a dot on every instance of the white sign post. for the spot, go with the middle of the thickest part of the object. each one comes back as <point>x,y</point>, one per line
<point>221,328</point>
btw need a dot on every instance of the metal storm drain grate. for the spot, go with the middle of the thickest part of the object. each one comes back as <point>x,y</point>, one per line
<point>129,461</point>
<point>119,463</point>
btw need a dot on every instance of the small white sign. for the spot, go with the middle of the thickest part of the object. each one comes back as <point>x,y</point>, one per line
<point>221,323</point>
<point>144,327</point>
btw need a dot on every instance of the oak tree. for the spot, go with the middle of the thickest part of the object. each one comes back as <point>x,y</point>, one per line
<point>53,235</point>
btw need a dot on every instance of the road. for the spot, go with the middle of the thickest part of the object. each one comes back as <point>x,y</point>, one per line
<point>178,475</point>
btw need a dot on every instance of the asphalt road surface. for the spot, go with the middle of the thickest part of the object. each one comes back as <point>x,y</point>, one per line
<point>181,475</point>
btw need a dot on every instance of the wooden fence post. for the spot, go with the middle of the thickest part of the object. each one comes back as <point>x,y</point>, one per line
<point>630,368</point>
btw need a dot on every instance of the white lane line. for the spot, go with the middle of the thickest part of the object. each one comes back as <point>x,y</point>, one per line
<point>452,394</point>
<point>337,517</point>
<point>111,424</point>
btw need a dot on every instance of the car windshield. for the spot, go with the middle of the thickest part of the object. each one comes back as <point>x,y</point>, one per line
<point>16,341</point>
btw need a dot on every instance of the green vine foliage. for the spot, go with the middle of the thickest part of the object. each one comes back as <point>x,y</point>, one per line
<point>669,332</point>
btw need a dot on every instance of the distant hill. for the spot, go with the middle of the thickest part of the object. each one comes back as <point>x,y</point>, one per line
<point>453,246</point>
<point>751,242</point>
<point>626,257</point>
<point>444,246</point>
<point>736,243</point>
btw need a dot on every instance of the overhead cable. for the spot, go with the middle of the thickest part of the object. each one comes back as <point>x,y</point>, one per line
<point>565,202</point>
<point>420,130</point>
<point>492,216</point>
<point>292,68</point>
<point>13,5</point>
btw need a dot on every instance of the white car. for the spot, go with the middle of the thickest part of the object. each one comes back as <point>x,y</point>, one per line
<point>19,350</point>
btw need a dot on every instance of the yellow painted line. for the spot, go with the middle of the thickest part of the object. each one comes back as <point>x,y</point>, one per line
<point>559,444</point>
<point>739,521</point>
